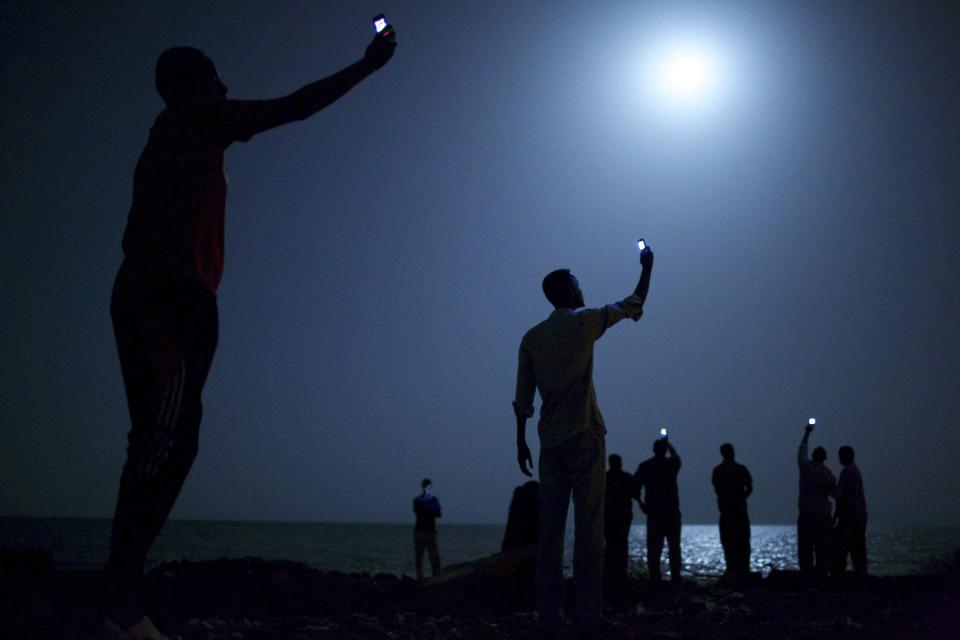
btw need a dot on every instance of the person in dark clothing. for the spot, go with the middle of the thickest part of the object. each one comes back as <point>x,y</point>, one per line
<point>733,485</point>
<point>427,509</point>
<point>850,530</point>
<point>621,491</point>
<point>814,534</point>
<point>523,519</point>
<point>164,305</point>
<point>661,502</point>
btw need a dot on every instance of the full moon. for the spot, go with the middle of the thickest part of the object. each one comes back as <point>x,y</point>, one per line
<point>686,74</point>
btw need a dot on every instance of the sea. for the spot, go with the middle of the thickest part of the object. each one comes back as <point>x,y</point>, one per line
<point>388,548</point>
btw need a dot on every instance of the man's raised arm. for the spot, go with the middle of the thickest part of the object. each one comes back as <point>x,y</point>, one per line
<point>246,118</point>
<point>802,456</point>
<point>643,285</point>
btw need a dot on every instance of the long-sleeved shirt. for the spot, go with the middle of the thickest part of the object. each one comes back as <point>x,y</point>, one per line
<point>817,484</point>
<point>851,501</point>
<point>556,358</point>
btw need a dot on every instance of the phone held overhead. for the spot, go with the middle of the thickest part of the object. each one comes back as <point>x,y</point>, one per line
<point>382,25</point>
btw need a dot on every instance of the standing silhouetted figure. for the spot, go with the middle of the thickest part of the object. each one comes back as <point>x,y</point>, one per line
<point>427,509</point>
<point>850,532</point>
<point>523,518</point>
<point>556,358</point>
<point>733,485</point>
<point>817,484</point>
<point>621,491</point>
<point>164,304</point>
<point>661,502</point>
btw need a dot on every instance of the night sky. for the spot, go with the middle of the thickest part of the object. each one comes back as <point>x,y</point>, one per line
<point>384,258</point>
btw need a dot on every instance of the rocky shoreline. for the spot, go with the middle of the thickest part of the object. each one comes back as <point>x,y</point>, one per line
<point>490,599</point>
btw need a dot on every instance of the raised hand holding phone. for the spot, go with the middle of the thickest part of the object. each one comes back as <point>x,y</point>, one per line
<point>381,49</point>
<point>382,26</point>
<point>646,253</point>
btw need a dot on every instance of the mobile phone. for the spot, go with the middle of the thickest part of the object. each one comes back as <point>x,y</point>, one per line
<point>642,245</point>
<point>812,421</point>
<point>663,432</point>
<point>380,23</point>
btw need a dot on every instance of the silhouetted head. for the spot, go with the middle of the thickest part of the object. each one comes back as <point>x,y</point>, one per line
<point>616,462</point>
<point>659,447</point>
<point>563,290</point>
<point>186,73</point>
<point>425,484</point>
<point>819,455</point>
<point>845,454</point>
<point>726,450</point>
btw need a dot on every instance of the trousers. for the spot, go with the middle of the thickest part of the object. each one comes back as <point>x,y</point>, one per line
<point>735,538</point>
<point>850,539</point>
<point>426,541</point>
<point>617,553</point>
<point>814,539</point>
<point>573,468</point>
<point>166,337</point>
<point>660,525</point>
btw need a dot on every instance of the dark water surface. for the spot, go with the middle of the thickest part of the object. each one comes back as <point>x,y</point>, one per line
<point>388,548</point>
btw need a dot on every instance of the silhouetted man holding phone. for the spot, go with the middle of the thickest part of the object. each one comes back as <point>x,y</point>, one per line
<point>556,358</point>
<point>164,304</point>
<point>817,484</point>
<point>661,502</point>
<point>733,485</point>
<point>426,508</point>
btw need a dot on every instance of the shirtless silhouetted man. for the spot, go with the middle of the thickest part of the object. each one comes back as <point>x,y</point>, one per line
<point>556,358</point>
<point>164,304</point>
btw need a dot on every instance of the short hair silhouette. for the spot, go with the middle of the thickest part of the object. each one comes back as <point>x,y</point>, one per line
<point>845,454</point>
<point>425,483</point>
<point>183,73</point>
<point>726,450</point>
<point>556,286</point>
<point>819,454</point>
<point>659,446</point>
<point>616,462</point>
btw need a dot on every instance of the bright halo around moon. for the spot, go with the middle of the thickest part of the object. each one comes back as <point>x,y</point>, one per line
<point>686,73</point>
<point>685,79</point>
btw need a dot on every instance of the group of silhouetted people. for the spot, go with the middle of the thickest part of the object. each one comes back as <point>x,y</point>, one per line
<point>827,537</point>
<point>556,359</point>
<point>654,487</point>
<point>165,318</point>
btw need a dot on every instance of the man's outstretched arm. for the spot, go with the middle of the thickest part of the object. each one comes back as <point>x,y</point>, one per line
<point>246,118</point>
